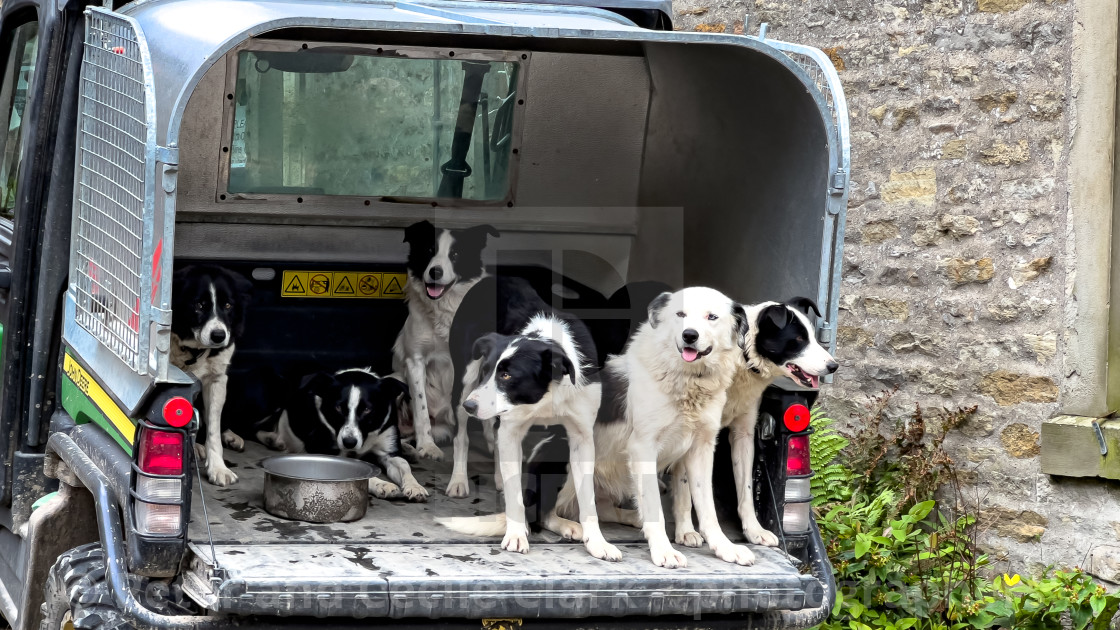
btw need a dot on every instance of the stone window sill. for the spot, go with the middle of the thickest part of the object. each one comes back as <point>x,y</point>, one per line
<point>1070,447</point>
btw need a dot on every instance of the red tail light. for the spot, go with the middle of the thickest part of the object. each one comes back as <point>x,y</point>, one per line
<point>796,418</point>
<point>797,456</point>
<point>161,452</point>
<point>178,412</point>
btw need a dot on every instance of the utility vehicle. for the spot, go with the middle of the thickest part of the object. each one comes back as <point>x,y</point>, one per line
<point>292,142</point>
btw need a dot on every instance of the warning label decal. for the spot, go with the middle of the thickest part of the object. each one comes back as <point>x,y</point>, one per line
<point>343,284</point>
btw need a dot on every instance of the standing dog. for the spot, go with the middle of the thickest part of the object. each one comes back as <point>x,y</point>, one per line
<point>442,266</point>
<point>544,374</point>
<point>779,342</point>
<point>208,306</point>
<point>352,413</point>
<point>663,406</point>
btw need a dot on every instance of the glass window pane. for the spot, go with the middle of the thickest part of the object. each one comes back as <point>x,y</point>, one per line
<point>325,123</point>
<point>18,75</point>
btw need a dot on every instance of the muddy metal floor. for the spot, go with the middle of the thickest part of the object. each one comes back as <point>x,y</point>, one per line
<point>237,517</point>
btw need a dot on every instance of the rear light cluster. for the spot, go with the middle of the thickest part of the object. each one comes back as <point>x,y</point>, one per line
<point>160,472</point>
<point>799,472</point>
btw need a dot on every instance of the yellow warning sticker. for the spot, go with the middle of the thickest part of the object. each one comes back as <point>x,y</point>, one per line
<point>343,284</point>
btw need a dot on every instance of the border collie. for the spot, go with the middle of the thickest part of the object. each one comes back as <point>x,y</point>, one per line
<point>544,374</point>
<point>779,342</point>
<point>663,404</point>
<point>352,413</point>
<point>208,306</point>
<point>442,266</point>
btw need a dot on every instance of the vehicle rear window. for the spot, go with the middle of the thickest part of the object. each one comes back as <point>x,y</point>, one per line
<point>341,121</point>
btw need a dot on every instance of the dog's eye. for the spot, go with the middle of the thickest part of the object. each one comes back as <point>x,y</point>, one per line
<point>338,407</point>
<point>228,306</point>
<point>712,317</point>
<point>505,376</point>
<point>680,314</point>
<point>453,256</point>
<point>200,306</point>
<point>800,339</point>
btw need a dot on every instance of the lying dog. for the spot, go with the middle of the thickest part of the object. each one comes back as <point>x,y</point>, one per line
<point>542,375</point>
<point>779,342</point>
<point>662,405</point>
<point>442,266</point>
<point>208,306</point>
<point>351,413</point>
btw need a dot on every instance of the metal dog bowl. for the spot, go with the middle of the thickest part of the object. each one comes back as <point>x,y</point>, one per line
<point>316,488</point>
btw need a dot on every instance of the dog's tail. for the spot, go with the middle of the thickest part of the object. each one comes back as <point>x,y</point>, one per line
<point>488,525</point>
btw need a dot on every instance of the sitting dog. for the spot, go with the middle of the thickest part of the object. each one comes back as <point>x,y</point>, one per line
<point>543,374</point>
<point>352,413</point>
<point>442,266</point>
<point>208,305</point>
<point>779,342</point>
<point>662,404</point>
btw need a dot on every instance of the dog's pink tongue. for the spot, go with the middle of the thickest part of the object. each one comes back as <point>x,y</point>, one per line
<point>689,354</point>
<point>434,291</point>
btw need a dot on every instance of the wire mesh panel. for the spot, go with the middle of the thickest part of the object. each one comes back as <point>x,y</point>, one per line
<point>823,75</point>
<point>112,160</point>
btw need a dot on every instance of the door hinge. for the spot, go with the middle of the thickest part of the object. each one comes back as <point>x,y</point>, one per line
<point>838,183</point>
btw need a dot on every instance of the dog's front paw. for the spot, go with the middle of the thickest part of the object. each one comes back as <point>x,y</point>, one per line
<point>384,489</point>
<point>730,552</point>
<point>429,450</point>
<point>689,538</point>
<point>232,440</point>
<point>271,440</point>
<point>758,536</point>
<point>218,474</point>
<point>666,556</point>
<point>603,550</point>
<point>415,492</point>
<point>516,540</point>
<point>458,488</point>
<point>200,452</point>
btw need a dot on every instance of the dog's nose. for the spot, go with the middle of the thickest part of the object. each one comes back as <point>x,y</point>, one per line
<point>350,441</point>
<point>832,366</point>
<point>217,336</point>
<point>435,273</point>
<point>689,335</point>
<point>471,406</point>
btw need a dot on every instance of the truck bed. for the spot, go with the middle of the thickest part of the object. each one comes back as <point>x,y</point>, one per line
<point>397,562</point>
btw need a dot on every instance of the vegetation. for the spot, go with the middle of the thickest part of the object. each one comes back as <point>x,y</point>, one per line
<point>901,537</point>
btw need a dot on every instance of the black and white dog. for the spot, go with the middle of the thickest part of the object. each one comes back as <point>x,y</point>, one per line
<point>537,367</point>
<point>442,266</point>
<point>208,305</point>
<point>778,343</point>
<point>353,413</point>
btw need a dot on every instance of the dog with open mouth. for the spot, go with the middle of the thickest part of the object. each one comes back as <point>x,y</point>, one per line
<point>443,264</point>
<point>662,403</point>
<point>778,343</point>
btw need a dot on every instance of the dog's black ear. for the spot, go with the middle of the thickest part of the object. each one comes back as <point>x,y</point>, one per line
<point>316,382</point>
<point>483,231</point>
<point>560,363</point>
<point>395,387</point>
<point>484,345</point>
<point>654,309</point>
<point>777,315</point>
<point>179,278</point>
<point>418,230</point>
<point>243,296</point>
<point>803,304</point>
<point>742,324</point>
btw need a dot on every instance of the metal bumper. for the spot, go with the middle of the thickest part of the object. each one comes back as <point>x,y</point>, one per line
<point>816,594</point>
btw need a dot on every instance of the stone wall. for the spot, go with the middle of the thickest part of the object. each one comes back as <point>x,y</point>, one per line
<point>956,263</point>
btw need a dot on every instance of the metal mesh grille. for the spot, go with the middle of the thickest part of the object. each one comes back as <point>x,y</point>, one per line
<point>823,75</point>
<point>109,196</point>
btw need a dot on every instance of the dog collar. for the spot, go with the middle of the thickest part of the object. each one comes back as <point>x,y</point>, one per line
<point>196,354</point>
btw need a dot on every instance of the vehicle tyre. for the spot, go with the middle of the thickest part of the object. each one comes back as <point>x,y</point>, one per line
<point>78,595</point>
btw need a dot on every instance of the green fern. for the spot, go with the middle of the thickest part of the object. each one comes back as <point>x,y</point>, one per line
<point>832,482</point>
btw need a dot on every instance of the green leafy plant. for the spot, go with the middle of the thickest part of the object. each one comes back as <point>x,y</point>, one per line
<point>905,559</point>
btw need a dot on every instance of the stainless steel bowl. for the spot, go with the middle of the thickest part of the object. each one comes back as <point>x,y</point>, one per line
<point>316,488</point>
